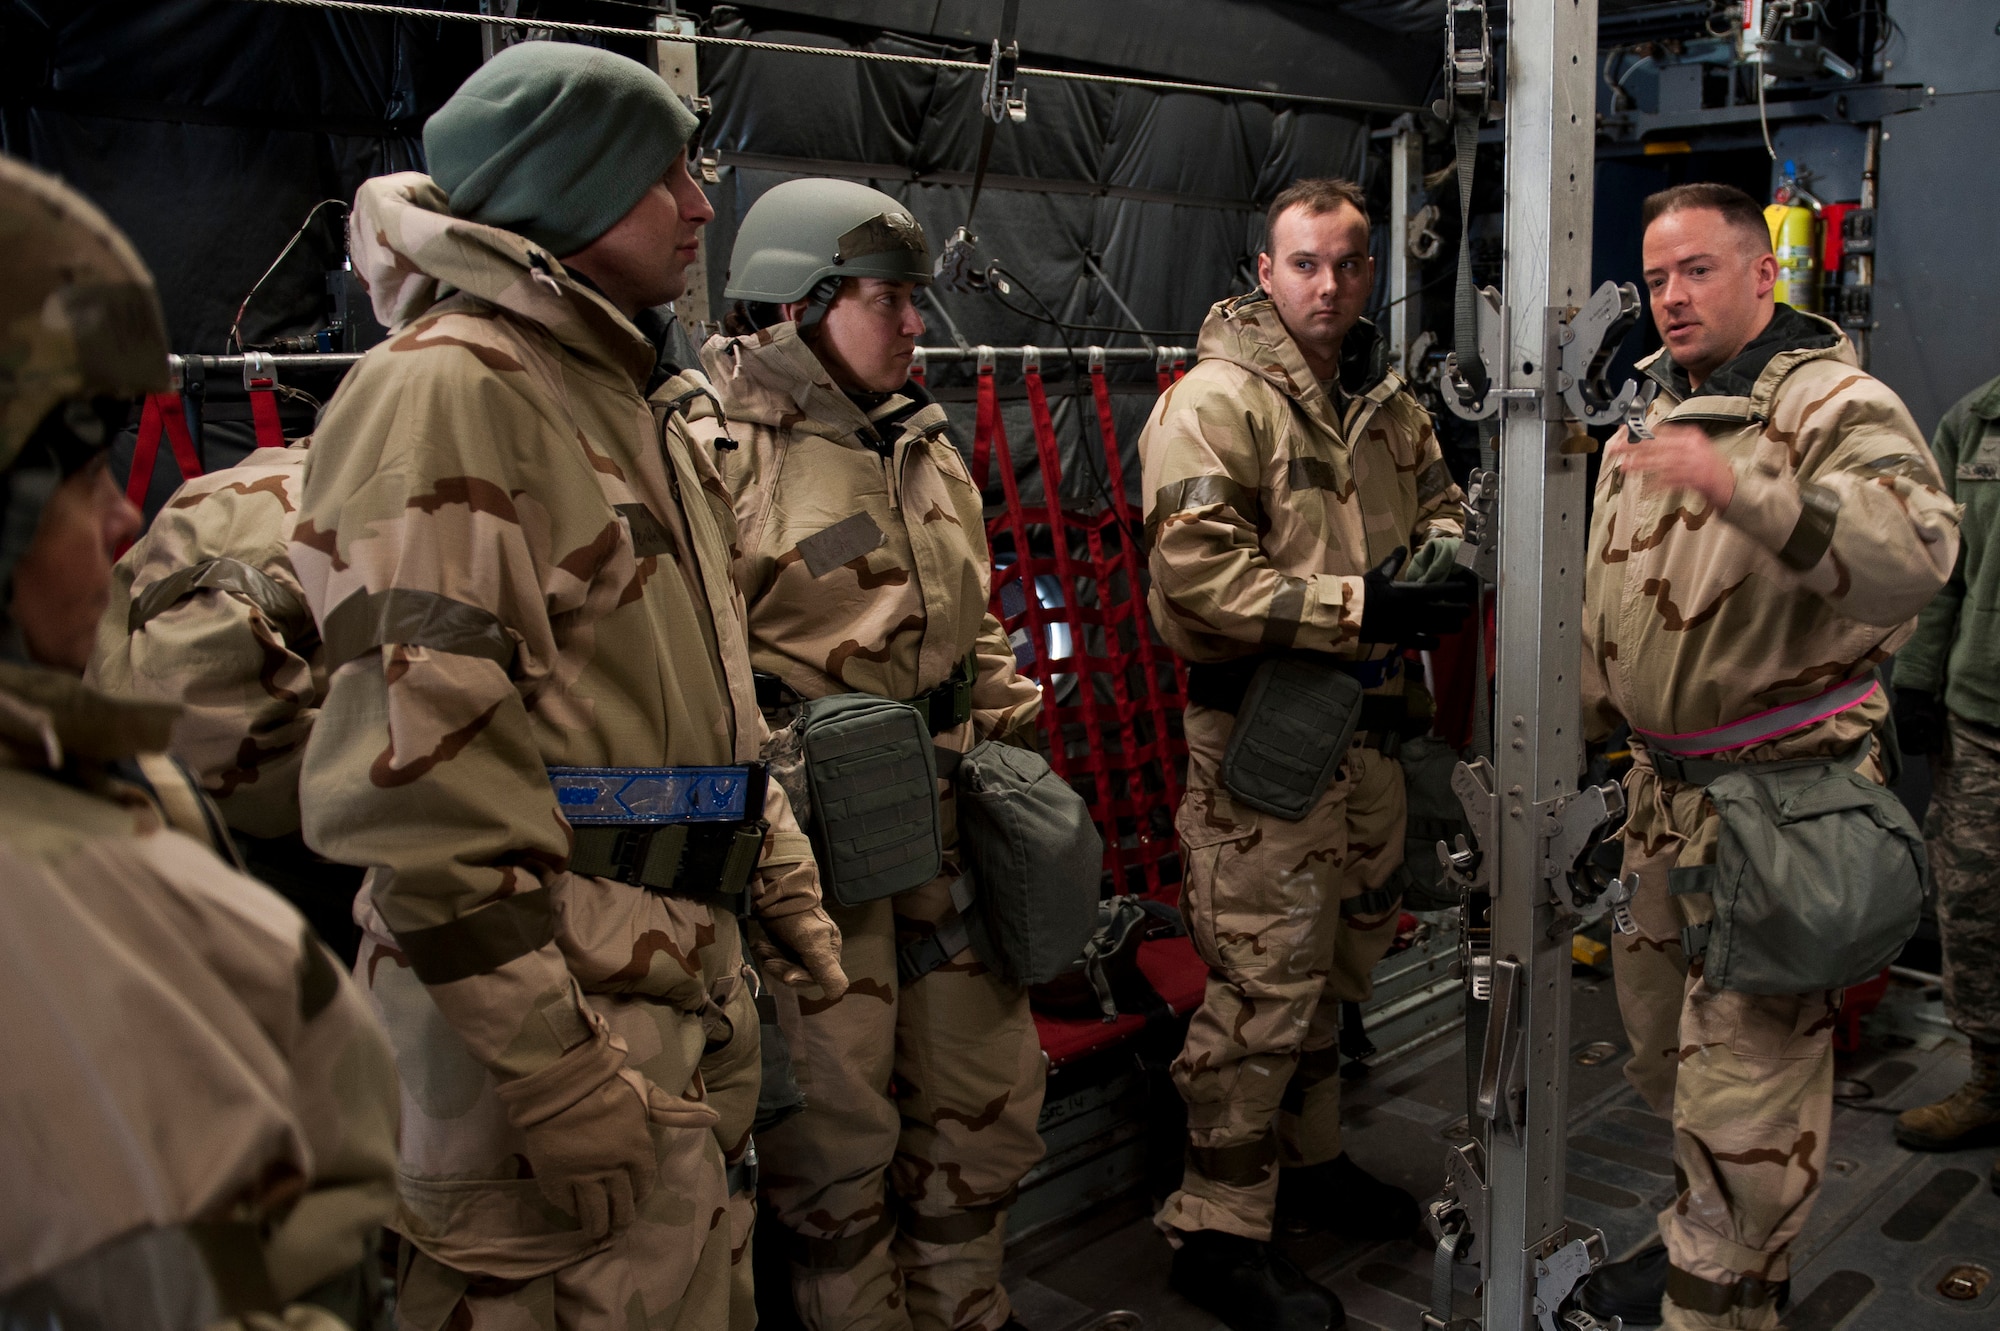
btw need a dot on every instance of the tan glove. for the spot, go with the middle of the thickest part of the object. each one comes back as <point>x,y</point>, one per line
<point>585,1118</point>
<point>801,949</point>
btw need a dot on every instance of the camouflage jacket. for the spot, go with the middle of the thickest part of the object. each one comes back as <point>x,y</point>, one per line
<point>1956,649</point>
<point>179,1048</point>
<point>517,561</point>
<point>206,611</point>
<point>1837,535</point>
<point>1269,502</point>
<point>863,553</point>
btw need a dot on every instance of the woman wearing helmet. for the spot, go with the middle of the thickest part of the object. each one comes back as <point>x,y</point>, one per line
<point>864,566</point>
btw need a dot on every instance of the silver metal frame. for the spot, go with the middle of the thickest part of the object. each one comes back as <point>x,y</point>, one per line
<point>1551,125</point>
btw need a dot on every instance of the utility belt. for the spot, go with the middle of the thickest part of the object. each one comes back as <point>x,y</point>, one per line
<point>946,707</point>
<point>689,832</point>
<point>1223,686</point>
<point>1690,759</point>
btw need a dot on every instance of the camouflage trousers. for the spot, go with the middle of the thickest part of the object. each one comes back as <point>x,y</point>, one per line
<point>1746,1079</point>
<point>1263,902</point>
<point>732,1073</point>
<point>1962,831</point>
<point>921,1106</point>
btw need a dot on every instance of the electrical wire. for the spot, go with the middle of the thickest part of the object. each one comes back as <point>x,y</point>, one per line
<point>1085,328</point>
<point>1131,530</point>
<point>236,324</point>
<point>848,53</point>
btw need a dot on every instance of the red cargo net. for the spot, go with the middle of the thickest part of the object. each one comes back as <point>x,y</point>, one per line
<point>1073,591</point>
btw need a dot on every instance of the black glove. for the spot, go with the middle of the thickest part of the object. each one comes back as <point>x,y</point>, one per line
<point>1919,721</point>
<point>1413,614</point>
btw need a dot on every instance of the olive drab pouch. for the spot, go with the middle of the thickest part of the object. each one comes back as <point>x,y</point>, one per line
<point>1297,719</point>
<point>1035,859</point>
<point>1818,881</point>
<point>871,775</point>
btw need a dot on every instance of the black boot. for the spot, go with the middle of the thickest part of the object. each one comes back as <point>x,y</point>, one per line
<point>1632,1289</point>
<point>1244,1284</point>
<point>1343,1198</point>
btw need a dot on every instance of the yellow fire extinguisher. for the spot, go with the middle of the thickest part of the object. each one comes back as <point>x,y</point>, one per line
<point>1795,240</point>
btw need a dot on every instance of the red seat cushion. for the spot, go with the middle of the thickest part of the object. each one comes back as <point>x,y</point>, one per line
<point>1177,974</point>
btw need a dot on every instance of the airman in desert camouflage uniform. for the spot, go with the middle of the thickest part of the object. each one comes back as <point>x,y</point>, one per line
<point>519,563</point>
<point>864,567</point>
<point>1284,496</point>
<point>1773,545</point>
<point>199,1111</point>
<point>206,611</point>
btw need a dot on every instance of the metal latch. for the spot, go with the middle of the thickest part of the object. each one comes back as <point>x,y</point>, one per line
<point>1479,550</point>
<point>1457,1220</point>
<point>1571,827</point>
<point>1618,898</point>
<point>1466,864</point>
<point>1589,340</point>
<point>1502,1098</point>
<point>1556,1278</point>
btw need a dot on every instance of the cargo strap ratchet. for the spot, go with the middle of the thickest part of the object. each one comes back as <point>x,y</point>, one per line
<point>693,832</point>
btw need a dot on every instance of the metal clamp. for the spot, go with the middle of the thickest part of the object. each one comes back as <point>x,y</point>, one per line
<point>260,370</point>
<point>1094,359</point>
<point>1458,394</point>
<point>1589,340</point>
<point>1031,360</point>
<point>1467,864</point>
<point>1572,825</point>
<point>954,270</point>
<point>1558,1274</point>
<point>1003,100</point>
<point>984,358</point>
<point>1479,550</point>
<point>1502,1099</point>
<point>1166,358</point>
<point>1636,428</point>
<point>1420,234</point>
<point>1457,1220</point>
<point>1618,898</point>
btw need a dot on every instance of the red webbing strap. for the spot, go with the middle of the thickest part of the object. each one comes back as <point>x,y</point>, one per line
<point>163,411</point>
<point>264,412</point>
<point>1149,659</point>
<point>985,425</point>
<point>1017,527</point>
<point>1066,574</point>
<point>917,372</point>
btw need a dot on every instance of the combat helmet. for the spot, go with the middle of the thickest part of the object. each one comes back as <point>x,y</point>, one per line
<point>805,233</point>
<point>79,318</point>
<point>80,335</point>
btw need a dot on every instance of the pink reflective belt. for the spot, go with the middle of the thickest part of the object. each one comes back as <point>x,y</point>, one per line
<point>1767,725</point>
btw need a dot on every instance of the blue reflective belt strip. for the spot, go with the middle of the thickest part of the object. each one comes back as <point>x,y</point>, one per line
<point>652,796</point>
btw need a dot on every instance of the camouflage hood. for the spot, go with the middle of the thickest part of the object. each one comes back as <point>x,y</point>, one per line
<point>1792,339</point>
<point>1246,331</point>
<point>411,253</point>
<point>773,378</point>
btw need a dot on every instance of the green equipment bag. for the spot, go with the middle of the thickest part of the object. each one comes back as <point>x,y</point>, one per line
<point>1035,859</point>
<point>1434,815</point>
<point>871,781</point>
<point>1297,719</point>
<point>1818,881</point>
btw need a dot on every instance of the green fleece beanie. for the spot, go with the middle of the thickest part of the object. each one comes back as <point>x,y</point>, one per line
<point>555,142</point>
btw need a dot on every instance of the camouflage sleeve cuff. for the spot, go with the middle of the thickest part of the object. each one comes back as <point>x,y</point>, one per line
<point>784,847</point>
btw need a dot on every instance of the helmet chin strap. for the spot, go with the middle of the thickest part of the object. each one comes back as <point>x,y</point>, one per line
<point>817,301</point>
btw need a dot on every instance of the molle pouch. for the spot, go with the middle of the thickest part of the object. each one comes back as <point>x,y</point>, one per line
<point>872,781</point>
<point>1818,880</point>
<point>1036,858</point>
<point>1298,717</point>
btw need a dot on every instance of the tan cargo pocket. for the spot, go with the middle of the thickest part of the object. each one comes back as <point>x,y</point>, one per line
<point>1210,825</point>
